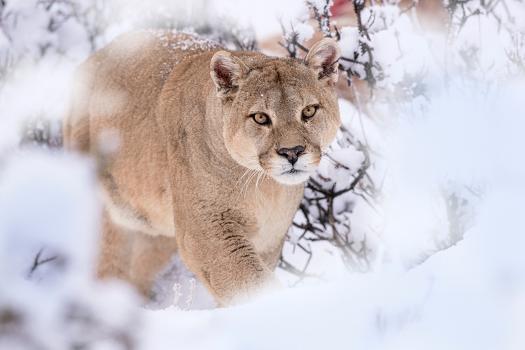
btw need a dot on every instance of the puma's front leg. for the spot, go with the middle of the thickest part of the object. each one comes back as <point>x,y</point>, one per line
<point>225,260</point>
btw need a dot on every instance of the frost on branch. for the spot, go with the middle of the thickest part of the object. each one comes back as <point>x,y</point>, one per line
<point>332,212</point>
<point>326,210</point>
<point>356,45</point>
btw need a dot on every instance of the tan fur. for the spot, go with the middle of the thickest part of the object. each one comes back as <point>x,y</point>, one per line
<point>194,174</point>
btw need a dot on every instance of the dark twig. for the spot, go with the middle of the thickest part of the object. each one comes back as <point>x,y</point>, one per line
<point>38,261</point>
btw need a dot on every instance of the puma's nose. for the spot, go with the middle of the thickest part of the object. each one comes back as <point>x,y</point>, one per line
<point>291,153</point>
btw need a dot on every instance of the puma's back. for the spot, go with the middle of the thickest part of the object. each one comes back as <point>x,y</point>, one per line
<point>114,104</point>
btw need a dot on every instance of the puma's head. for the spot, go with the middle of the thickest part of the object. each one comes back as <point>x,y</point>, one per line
<point>279,114</point>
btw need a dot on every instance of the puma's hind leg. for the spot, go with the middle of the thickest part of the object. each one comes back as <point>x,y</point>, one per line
<point>150,255</point>
<point>115,251</point>
<point>133,256</point>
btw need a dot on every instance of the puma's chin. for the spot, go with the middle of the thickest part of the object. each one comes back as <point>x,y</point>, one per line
<point>293,174</point>
<point>292,177</point>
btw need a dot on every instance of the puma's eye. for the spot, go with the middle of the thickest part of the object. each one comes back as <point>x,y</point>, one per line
<point>309,112</point>
<point>261,118</point>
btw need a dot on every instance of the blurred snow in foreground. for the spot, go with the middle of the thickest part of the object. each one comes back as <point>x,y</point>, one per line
<point>49,299</point>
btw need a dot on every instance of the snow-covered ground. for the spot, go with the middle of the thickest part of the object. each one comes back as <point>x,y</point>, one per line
<point>446,234</point>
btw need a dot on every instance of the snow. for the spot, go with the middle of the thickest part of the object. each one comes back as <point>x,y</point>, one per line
<point>263,16</point>
<point>453,137</point>
<point>446,303</point>
<point>349,41</point>
<point>26,215</point>
<point>304,31</point>
<point>177,286</point>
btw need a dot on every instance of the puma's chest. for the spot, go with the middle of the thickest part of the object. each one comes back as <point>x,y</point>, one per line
<point>274,215</point>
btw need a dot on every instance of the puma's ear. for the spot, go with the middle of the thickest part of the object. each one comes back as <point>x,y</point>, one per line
<point>323,58</point>
<point>226,72</point>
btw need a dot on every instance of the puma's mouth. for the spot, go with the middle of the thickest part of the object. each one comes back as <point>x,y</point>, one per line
<point>292,176</point>
<point>292,172</point>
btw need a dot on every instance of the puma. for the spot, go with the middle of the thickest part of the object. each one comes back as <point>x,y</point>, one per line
<point>214,149</point>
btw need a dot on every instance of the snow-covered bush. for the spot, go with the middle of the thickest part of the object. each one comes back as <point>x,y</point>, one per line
<point>34,29</point>
<point>405,70</point>
<point>41,43</point>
